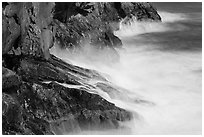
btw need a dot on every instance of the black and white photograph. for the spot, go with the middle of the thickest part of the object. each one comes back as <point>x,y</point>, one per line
<point>101,68</point>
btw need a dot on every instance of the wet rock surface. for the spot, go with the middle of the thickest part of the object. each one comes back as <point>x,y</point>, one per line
<point>41,93</point>
<point>42,105</point>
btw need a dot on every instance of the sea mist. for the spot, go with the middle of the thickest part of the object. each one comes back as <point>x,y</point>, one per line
<point>169,81</point>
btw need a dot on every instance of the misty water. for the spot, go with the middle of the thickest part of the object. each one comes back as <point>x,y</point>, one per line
<point>160,63</point>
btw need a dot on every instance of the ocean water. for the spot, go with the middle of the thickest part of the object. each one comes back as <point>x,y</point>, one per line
<point>160,63</point>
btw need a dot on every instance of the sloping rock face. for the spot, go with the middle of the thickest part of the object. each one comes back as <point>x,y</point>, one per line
<point>41,93</point>
<point>53,97</point>
<point>143,11</point>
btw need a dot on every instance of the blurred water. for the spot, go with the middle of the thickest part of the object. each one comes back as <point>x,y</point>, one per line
<point>160,63</point>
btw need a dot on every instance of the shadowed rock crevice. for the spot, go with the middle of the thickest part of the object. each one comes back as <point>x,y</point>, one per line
<point>119,9</point>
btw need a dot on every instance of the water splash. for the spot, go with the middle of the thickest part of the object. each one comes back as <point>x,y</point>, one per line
<point>169,81</point>
<point>133,27</point>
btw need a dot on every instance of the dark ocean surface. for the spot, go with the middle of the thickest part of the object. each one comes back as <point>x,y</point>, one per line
<point>186,33</point>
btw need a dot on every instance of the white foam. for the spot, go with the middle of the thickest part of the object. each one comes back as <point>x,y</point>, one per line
<point>134,27</point>
<point>172,80</point>
<point>172,17</point>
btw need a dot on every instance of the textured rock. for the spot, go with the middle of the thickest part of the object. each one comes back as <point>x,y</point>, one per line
<point>11,117</point>
<point>94,22</point>
<point>28,26</point>
<point>56,98</point>
<point>10,33</point>
<point>41,93</point>
<point>141,10</point>
<point>9,79</point>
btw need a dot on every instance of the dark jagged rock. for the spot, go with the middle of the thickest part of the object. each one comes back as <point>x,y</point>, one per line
<point>29,29</point>
<point>96,21</point>
<point>81,30</point>
<point>45,105</point>
<point>10,33</point>
<point>140,10</point>
<point>93,23</point>
<point>41,93</point>
<point>28,26</point>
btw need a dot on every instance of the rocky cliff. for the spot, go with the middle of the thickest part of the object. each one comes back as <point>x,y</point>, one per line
<point>42,94</point>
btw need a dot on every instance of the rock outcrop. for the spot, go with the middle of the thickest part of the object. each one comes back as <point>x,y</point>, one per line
<point>53,97</point>
<point>41,93</point>
<point>94,22</point>
<point>33,28</point>
<point>27,29</point>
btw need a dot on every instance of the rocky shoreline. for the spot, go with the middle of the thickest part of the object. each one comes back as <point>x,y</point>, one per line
<point>41,94</point>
